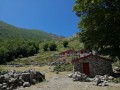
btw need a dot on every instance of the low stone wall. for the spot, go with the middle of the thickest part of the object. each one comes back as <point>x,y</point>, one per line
<point>10,80</point>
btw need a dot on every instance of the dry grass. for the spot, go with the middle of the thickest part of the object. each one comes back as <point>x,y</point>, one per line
<point>37,68</point>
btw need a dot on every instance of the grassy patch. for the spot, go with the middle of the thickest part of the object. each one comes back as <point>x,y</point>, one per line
<point>64,67</point>
<point>116,80</point>
<point>2,68</point>
<point>117,64</point>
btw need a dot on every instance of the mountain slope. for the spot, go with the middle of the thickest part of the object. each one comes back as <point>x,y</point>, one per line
<point>8,31</point>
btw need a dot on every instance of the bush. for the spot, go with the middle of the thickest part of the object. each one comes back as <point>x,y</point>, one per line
<point>45,47</point>
<point>1,68</point>
<point>65,43</point>
<point>117,64</point>
<point>52,47</point>
<point>116,80</point>
<point>11,49</point>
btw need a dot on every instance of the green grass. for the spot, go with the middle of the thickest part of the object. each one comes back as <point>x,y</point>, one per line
<point>116,64</point>
<point>42,57</point>
<point>64,67</point>
<point>74,43</point>
<point>2,68</point>
<point>8,31</point>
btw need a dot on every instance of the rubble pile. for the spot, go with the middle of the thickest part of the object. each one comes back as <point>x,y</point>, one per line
<point>77,76</point>
<point>98,79</point>
<point>10,80</point>
<point>102,80</point>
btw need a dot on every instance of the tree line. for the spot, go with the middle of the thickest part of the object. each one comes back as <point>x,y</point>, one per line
<point>11,49</point>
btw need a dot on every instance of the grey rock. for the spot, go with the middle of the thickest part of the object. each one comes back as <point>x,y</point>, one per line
<point>26,84</point>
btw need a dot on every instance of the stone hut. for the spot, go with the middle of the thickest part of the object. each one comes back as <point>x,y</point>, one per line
<point>92,65</point>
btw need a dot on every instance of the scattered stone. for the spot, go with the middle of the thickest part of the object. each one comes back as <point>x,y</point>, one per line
<point>101,80</point>
<point>70,75</point>
<point>110,77</point>
<point>26,84</point>
<point>77,76</point>
<point>98,79</point>
<point>12,80</point>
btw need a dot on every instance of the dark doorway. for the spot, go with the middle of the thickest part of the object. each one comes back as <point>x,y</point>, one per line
<point>86,68</point>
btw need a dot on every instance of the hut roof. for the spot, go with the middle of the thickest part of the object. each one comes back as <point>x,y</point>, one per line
<point>89,55</point>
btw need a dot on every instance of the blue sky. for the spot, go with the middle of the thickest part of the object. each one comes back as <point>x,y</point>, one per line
<point>53,16</point>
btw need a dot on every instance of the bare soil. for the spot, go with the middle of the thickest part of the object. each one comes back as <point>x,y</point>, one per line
<point>62,82</point>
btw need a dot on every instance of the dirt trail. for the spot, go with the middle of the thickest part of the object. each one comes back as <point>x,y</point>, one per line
<point>62,82</point>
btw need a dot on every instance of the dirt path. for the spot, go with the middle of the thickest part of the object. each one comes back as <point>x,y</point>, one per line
<point>62,82</point>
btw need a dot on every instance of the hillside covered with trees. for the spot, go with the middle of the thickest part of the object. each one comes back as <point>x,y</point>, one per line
<point>17,42</point>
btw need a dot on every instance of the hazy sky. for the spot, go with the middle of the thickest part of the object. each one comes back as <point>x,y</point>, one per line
<point>53,16</point>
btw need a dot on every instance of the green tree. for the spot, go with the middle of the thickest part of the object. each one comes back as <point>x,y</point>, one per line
<point>99,24</point>
<point>3,54</point>
<point>65,43</point>
<point>45,47</point>
<point>11,49</point>
<point>52,47</point>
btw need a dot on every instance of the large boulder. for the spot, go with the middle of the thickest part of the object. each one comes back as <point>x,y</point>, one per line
<point>39,76</point>
<point>26,77</point>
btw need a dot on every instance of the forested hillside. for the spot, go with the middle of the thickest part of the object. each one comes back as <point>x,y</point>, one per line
<point>8,31</point>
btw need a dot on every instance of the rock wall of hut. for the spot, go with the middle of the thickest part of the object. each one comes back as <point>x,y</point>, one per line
<point>97,66</point>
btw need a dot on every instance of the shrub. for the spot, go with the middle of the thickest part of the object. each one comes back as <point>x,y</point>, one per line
<point>117,64</point>
<point>1,68</point>
<point>116,80</point>
<point>52,47</point>
<point>45,47</point>
<point>65,43</point>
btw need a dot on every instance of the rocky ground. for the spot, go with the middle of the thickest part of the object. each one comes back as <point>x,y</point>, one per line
<point>62,82</point>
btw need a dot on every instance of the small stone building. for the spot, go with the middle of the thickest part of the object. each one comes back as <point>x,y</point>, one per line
<point>92,65</point>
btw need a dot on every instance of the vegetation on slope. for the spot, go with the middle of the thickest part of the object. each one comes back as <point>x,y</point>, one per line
<point>17,42</point>
<point>46,56</point>
<point>8,31</point>
<point>11,49</point>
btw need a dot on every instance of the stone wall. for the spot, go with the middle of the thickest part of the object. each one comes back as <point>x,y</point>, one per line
<point>97,66</point>
<point>11,80</point>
